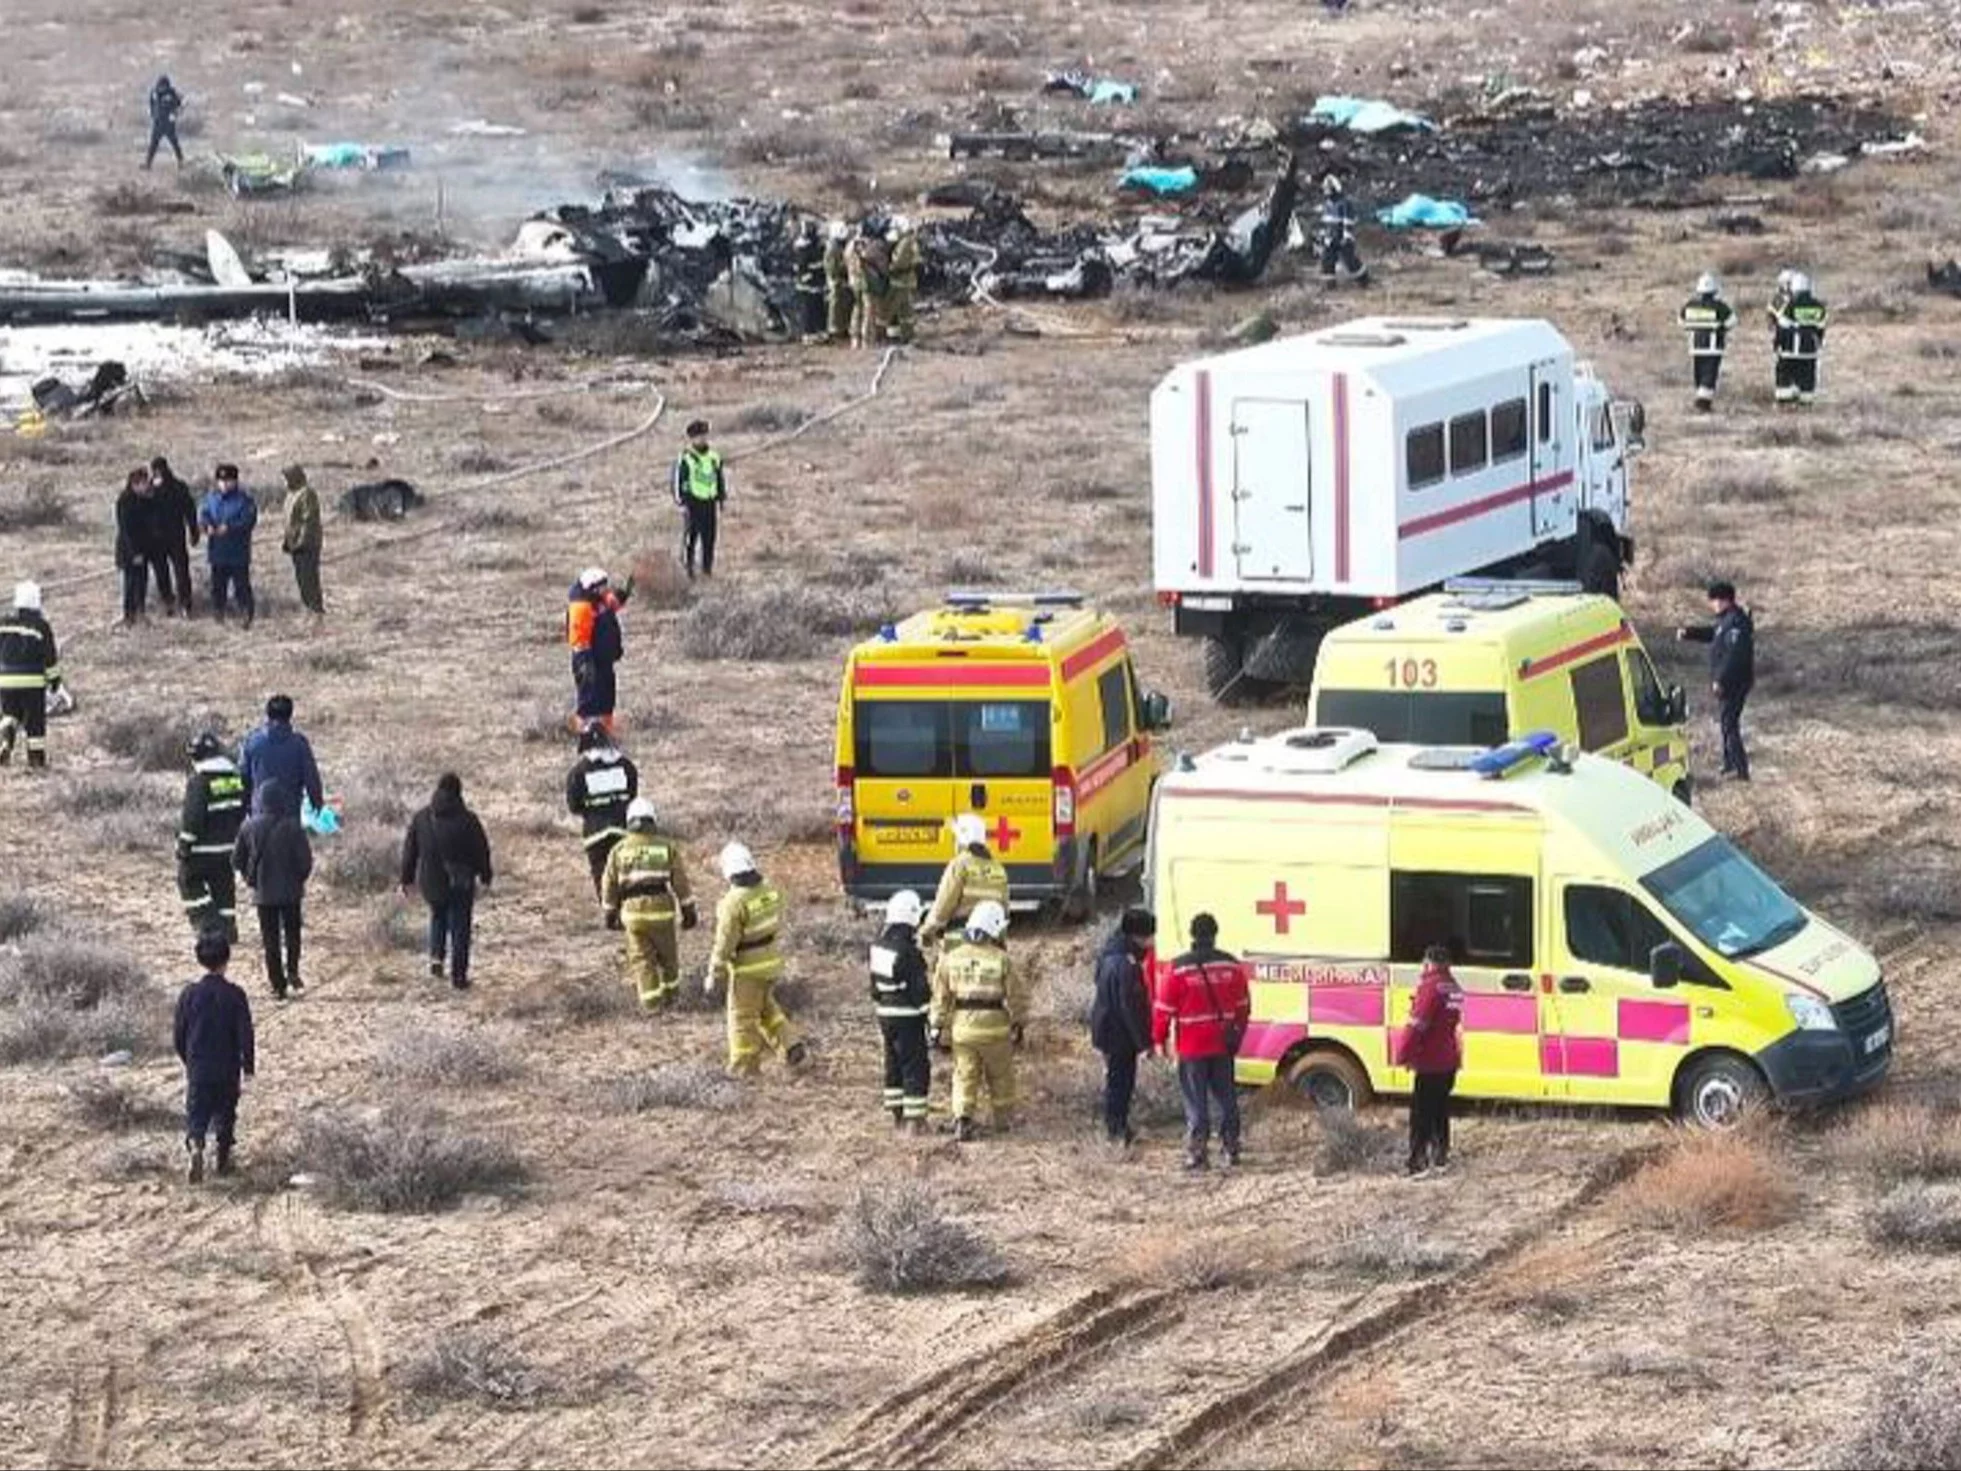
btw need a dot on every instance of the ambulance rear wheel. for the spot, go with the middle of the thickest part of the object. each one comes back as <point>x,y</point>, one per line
<point>1079,903</point>
<point>1332,1080</point>
<point>1225,667</point>
<point>1719,1092</point>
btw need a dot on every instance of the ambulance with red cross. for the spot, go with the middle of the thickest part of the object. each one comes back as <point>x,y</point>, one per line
<point>1613,947</point>
<point>1022,708</point>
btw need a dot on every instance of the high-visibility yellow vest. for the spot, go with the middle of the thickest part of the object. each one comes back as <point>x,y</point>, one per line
<point>704,473</point>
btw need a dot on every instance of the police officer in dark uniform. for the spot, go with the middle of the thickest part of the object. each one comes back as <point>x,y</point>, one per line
<point>1707,318</point>
<point>214,810</point>
<point>1337,232</point>
<point>1732,641</point>
<point>1800,326</point>
<point>165,103</point>
<point>598,789</point>
<point>808,259</point>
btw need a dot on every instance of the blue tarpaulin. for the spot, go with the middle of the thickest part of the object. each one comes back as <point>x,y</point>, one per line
<point>1097,90</point>
<point>1366,115</point>
<point>1421,212</point>
<point>1160,180</point>
<point>322,820</point>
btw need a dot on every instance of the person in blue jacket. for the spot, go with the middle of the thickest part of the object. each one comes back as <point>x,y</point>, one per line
<point>275,752</point>
<point>1120,1017</point>
<point>227,518</point>
<point>213,1036</point>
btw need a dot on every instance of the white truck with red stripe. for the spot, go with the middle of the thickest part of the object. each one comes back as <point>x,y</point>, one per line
<point>1301,483</point>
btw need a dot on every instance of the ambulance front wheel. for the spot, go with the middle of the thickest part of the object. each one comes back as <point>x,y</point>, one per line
<point>1719,1091</point>
<point>1331,1080</point>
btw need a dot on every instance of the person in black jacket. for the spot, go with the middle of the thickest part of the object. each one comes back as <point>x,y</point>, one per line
<point>446,855</point>
<point>139,543</point>
<point>207,835</point>
<point>177,527</point>
<point>276,859</point>
<point>1120,1017</point>
<point>1732,641</point>
<point>165,103</point>
<point>213,1037</point>
<point>902,995</point>
<point>598,789</point>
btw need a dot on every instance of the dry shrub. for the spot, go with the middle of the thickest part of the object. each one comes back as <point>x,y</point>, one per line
<point>546,722</point>
<point>1750,487</point>
<point>462,1364</point>
<point>1919,1216</point>
<point>761,1198</point>
<point>35,507</point>
<point>113,1106</point>
<point>21,914</point>
<point>362,861</point>
<point>680,1085</point>
<point>397,926</point>
<point>1208,1264</point>
<point>477,459</point>
<point>897,1238</point>
<point>1349,1146</point>
<point>596,999</point>
<point>46,1032</point>
<point>1912,1420</point>
<point>1390,1248</point>
<point>782,624</point>
<point>764,417</point>
<point>70,129</point>
<point>134,1159</point>
<point>453,1059</point>
<point>72,974</point>
<point>148,743</point>
<point>1711,1182</point>
<point>406,1163</point>
<point>1897,1142</point>
<point>944,509</point>
<point>1925,888</point>
<point>1673,1370</point>
<point>968,569</point>
<point>1549,1284</point>
<point>660,582</point>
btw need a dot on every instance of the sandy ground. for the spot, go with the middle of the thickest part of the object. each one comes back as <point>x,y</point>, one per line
<point>674,1273</point>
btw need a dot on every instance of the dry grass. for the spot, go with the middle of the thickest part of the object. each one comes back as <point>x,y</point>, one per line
<point>677,1085</point>
<point>446,1058</point>
<point>1712,1182</point>
<point>43,1032</point>
<point>781,624</point>
<point>113,1105</point>
<point>361,860</point>
<point>22,914</point>
<point>1348,1145</point>
<point>465,1365</point>
<point>1912,1420</point>
<point>1391,1248</point>
<point>898,1238</point>
<point>1918,1216</point>
<point>77,975</point>
<point>396,927</point>
<point>406,1162</point>
<point>150,744</point>
<point>36,506</point>
<point>1898,1142</point>
<point>1207,1264</point>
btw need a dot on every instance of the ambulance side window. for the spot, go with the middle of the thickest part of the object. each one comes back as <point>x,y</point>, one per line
<point>1485,919</point>
<point>903,738</point>
<point>1113,692</point>
<point>1423,455</point>
<point>1600,704</point>
<point>999,739</point>
<point>1649,702</point>
<point>1508,430</point>
<point>1608,927</point>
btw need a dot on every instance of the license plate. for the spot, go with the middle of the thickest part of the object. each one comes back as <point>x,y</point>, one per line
<point>1201,604</point>
<point>1878,1039</point>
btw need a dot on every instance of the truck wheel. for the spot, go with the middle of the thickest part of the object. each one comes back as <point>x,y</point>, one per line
<point>1079,903</point>
<point>1225,664</point>
<point>1720,1091</point>
<point>1331,1080</point>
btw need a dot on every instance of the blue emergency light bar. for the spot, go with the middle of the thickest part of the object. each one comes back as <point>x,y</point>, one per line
<point>1501,759</point>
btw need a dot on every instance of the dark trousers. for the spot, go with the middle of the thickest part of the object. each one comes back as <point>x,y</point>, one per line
<point>162,130</point>
<point>228,582</point>
<point>209,890</point>
<point>1429,1120</point>
<point>1736,760</point>
<point>449,929</point>
<point>1119,1087</point>
<point>211,1104</point>
<point>1342,254</point>
<point>306,572</point>
<point>1207,1084</point>
<point>172,569</point>
<point>596,856</point>
<point>1708,367</point>
<point>908,1066</point>
<point>29,708</point>
<point>815,312</point>
<point>281,923</point>
<point>594,687</point>
<point>700,533</point>
<point>136,587</point>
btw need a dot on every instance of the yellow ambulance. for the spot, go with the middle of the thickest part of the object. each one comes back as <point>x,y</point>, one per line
<point>1485,660</point>
<point>1613,948</point>
<point>1022,708</point>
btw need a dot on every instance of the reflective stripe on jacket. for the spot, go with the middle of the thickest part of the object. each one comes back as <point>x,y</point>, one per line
<point>748,922</point>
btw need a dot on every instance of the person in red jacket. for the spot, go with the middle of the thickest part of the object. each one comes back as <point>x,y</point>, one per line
<point>1206,998</point>
<point>1432,1051</point>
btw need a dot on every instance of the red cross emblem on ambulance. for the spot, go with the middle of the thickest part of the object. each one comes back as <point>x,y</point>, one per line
<point>1004,834</point>
<point>1281,908</point>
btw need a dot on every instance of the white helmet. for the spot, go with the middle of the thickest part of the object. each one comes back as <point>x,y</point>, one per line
<point>989,920</point>
<point>1800,284</point>
<point>968,830</point>
<point>27,595</point>
<point>1331,185</point>
<point>1707,285</point>
<point>906,908</point>
<point>640,813</point>
<point>901,225</point>
<point>737,859</point>
<point>1786,279</point>
<point>593,577</point>
<point>840,231</point>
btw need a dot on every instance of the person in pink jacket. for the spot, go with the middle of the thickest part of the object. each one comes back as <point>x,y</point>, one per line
<point>1432,1051</point>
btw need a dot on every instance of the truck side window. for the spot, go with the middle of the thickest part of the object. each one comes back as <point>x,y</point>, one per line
<point>1467,444</point>
<point>1423,454</point>
<point>1608,927</point>
<point>1113,692</point>
<point>1650,704</point>
<point>1600,704</point>
<point>1603,428</point>
<point>1484,919</point>
<point>1508,431</point>
<point>1545,413</point>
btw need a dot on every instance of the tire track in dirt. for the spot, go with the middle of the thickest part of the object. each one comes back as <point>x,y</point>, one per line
<point>916,1424</point>
<point>273,1222</point>
<point>1261,1399</point>
<point>95,1408</point>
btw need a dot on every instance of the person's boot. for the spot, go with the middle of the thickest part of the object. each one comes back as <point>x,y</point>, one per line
<point>195,1149</point>
<point>9,733</point>
<point>224,1167</point>
<point>898,1118</point>
<point>1196,1163</point>
<point>435,970</point>
<point>964,1130</point>
<point>798,1054</point>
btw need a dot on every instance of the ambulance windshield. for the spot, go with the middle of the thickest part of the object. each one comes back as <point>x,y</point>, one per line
<point>1725,900</point>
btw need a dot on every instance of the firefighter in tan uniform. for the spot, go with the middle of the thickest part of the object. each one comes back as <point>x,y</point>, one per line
<point>748,928</point>
<point>644,890</point>
<point>979,1007</point>
<point>975,877</point>
<point>904,280</point>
